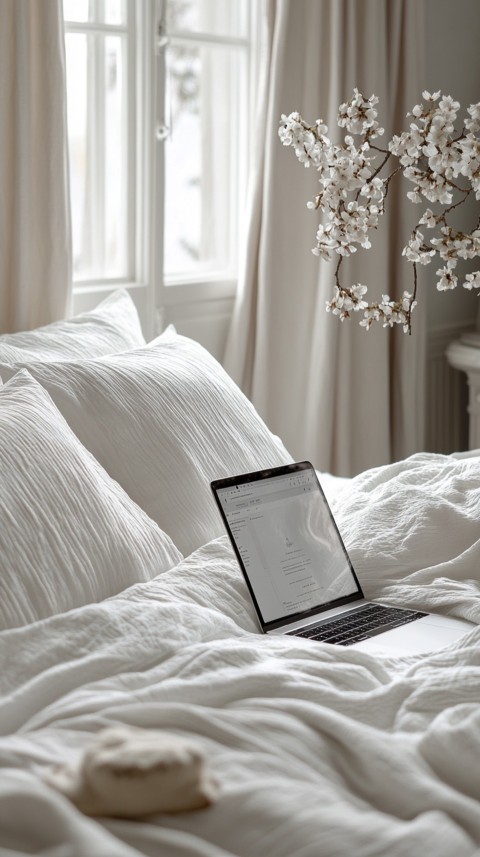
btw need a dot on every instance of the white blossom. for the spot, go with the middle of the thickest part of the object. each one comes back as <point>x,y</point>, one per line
<point>468,162</point>
<point>431,97</point>
<point>414,195</point>
<point>447,280</point>
<point>374,190</point>
<point>472,281</point>
<point>359,116</point>
<point>473,124</point>
<point>371,314</point>
<point>417,251</point>
<point>428,219</point>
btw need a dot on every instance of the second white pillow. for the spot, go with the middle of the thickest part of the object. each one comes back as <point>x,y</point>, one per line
<point>163,420</point>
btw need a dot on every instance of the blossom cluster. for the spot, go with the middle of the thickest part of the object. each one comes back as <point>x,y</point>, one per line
<point>390,312</point>
<point>442,164</point>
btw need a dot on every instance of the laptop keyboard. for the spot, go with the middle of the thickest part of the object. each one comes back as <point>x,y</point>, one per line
<point>360,624</point>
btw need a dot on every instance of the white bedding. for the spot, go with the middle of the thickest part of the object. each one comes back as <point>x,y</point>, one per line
<point>318,750</point>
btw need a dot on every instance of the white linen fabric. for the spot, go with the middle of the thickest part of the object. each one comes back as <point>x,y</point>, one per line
<point>35,228</point>
<point>69,534</point>
<point>420,536</point>
<point>113,325</point>
<point>313,380</point>
<point>316,748</point>
<point>163,420</point>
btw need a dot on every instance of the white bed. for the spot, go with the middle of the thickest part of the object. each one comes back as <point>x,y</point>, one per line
<point>316,749</point>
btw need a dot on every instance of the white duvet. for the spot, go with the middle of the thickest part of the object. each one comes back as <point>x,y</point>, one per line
<point>319,750</point>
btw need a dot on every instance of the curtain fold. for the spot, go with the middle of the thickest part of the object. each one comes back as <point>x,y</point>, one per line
<point>345,398</point>
<point>35,229</point>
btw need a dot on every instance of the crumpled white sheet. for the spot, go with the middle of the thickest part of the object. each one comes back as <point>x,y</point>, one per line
<point>413,532</point>
<point>317,749</point>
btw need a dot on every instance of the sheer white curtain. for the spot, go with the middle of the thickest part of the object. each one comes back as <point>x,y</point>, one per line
<point>345,398</point>
<point>35,234</point>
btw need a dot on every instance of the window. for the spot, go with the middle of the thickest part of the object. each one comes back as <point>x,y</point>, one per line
<point>159,107</point>
<point>100,74</point>
<point>206,76</point>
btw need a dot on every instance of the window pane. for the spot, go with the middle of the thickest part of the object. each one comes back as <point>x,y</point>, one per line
<point>76,10</point>
<point>218,17</point>
<point>76,53</point>
<point>115,12</point>
<point>97,119</point>
<point>93,11</point>
<point>202,158</point>
<point>116,168</point>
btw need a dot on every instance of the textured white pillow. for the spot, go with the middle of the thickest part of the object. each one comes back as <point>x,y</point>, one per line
<point>164,420</point>
<point>69,534</point>
<point>112,326</point>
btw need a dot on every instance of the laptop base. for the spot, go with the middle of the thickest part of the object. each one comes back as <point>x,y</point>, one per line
<point>428,634</point>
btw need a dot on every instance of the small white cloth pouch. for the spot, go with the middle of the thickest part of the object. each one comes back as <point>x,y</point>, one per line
<point>126,772</point>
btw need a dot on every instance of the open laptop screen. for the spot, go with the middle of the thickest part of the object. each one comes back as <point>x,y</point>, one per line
<point>287,542</point>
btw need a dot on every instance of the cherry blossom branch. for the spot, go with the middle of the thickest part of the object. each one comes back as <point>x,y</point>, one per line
<point>353,193</point>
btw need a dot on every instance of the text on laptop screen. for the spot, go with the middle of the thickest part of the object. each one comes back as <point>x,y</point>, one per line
<point>288,543</point>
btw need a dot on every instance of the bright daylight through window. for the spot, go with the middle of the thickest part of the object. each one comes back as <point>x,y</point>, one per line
<point>159,100</point>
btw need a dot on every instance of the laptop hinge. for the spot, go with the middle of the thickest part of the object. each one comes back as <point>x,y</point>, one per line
<point>301,624</point>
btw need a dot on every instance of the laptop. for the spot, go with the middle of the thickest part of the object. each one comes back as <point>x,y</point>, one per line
<point>299,574</point>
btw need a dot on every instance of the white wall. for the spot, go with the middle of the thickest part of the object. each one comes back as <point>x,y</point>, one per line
<point>453,65</point>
